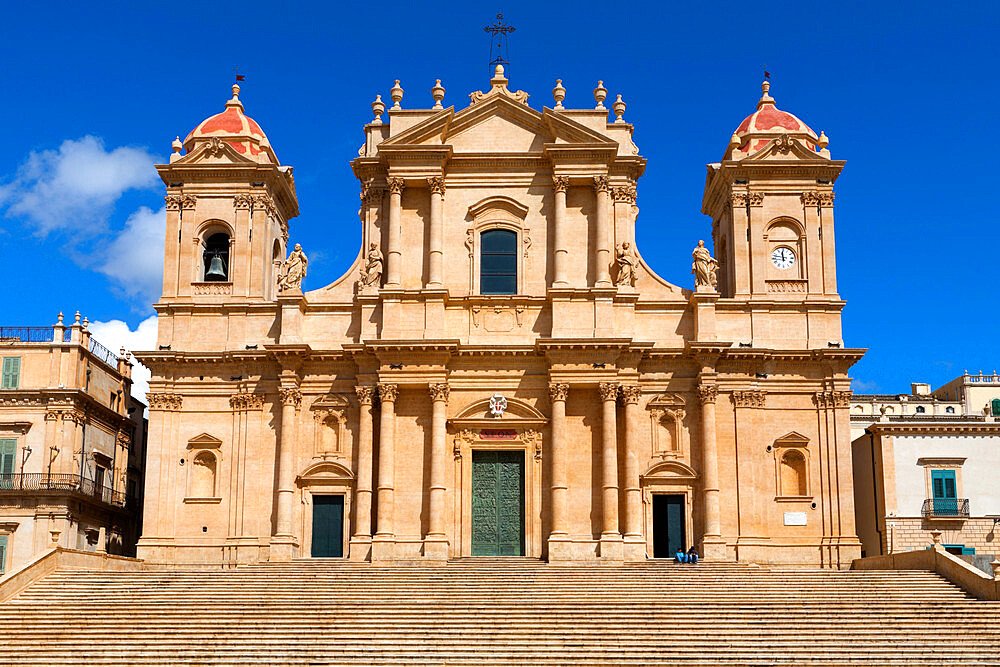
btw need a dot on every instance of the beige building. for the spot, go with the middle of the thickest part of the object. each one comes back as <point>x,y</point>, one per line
<point>72,444</point>
<point>500,372</point>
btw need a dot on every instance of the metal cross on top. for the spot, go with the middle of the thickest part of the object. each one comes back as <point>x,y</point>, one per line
<point>499,35</point>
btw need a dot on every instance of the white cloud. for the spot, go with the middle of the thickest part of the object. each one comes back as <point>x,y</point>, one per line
<point>134,259</point>
<point>115,334</point>
<point>864,386</point>
<point>75,187</point>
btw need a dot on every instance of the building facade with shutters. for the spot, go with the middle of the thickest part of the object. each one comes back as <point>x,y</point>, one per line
<point>72,444</point>
<point>500,373</point>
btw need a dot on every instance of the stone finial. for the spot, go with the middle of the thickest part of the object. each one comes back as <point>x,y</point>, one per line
<point>996,568</point>
<point>378,108</point>
<point>60,318</point>
<point>235,101</point>
<point>600,94</point>
<point>765,98</point>
<point>823,140</point>
<point>86,322</point>
<point>498,78</point>
<point>437,92</point>
<point>176,145</point>
<point>936,538</point>
<point>619,108</point>
<point>559,94</point>
<point>76,318</point>
<point>396,95</point>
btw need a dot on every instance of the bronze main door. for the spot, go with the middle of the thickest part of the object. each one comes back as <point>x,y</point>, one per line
<point>497,503</point>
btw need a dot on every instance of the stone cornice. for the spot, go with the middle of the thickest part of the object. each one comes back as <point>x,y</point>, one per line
<point>920,428</point>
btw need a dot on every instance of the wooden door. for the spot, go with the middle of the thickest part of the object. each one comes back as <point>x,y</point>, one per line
<point>328,527</point>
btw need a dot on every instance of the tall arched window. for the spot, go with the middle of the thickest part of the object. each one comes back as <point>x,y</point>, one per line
<point>498,263</point>
<point>216,257</point>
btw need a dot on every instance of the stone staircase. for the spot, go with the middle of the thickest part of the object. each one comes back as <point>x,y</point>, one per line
<point>496,612</point>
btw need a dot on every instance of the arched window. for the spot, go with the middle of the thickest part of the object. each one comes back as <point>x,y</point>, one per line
<point>793,473</point>
<point>498,263</point>
<point>921,410</point>
<point>950,410</point>
<point>215,257</point>
<point>203,476</point>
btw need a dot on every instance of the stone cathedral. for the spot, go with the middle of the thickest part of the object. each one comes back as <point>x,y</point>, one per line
<point>500,373</point>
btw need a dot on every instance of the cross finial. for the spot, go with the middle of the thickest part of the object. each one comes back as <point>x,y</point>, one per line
<point>499,37</point>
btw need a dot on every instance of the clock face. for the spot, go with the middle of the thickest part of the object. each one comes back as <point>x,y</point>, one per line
<point>783,258</point>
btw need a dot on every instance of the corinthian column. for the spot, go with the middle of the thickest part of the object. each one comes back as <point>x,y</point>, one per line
<point>363,494</point>
<point>386,462</point>
<point>561,251</point>
<point>712,544</point>
<point>558,392</point>
<point>291,399</point>
<point>633,497</point>
<point>609,461</point>
<point>437,231</point>
<point>604,231</point>
<point>394,253</point>
<point>436,543</point>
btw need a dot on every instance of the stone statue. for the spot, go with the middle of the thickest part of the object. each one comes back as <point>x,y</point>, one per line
<point>626,265</point>
<point>293,270</point>
<point>372,274</point>
<point>704,267</point>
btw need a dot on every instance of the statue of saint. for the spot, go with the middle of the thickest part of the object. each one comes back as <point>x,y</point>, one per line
<point>704,267</point>
<point>293,270</point>
<point>626,265</point>
<point>372,274</point>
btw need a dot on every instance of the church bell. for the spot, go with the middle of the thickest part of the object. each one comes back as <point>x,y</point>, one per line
<point>216,269</point>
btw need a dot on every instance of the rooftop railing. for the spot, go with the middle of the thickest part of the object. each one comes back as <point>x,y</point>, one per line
<point>29,335</point>
<point>103,353</point>
<point>36,481</point>
<point>945,508</point>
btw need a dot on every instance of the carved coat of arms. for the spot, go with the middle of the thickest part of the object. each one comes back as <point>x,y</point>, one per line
<point>497,405</point>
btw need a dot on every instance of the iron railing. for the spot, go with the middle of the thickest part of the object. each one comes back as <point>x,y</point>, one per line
<point>103,353</point>
<point>39,481</point>
<point>945,508</point>
<point>26,334</point>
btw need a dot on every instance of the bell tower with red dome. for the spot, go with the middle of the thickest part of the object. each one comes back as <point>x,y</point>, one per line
<point>228,204</point>
<point>771,202</point>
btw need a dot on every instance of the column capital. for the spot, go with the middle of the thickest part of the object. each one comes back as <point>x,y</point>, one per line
<point>164,401</point>
<point>707,393</point>
<point>436,185</point>
<point>387,392</point>
<point>558,391</point>
<point>290,396</point>
<point>560,183</point>
<point>395,185</point>
<point>439,391</point>
<point>608,390</point>
<point>602,183</point>
<point>371,194</point>
<point>749,398</point>
<point>631,394</point>
<point>366,393</point>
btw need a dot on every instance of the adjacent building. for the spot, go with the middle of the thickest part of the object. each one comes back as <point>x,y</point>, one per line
<point>72,444</point>
<point>499,372</point>
<point>929,462</point>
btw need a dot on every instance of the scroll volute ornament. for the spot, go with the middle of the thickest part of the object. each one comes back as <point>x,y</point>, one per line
<point>387,392</point>
<point>439,392</point>
<point>436,185</point>
<point>290,396</point>
<point>608,390</point>
<point>707,393</point>
<point>560,183</point>
<point>558,391</point>
<point>366,394</point>
<point>395,186</point>
<point>631,394</point>
<point>601,183</point>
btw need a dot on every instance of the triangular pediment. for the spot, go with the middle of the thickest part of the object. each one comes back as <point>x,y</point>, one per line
<point>214,151</point>
<point>204,441</point>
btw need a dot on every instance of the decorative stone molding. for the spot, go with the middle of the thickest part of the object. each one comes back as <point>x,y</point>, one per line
<point>439,391</point>
<point>738,199</point>
<point>624,194</point>
<point>707,393</point>
<point>242,202</point>
<point>188,202</point>
<point>783,143</point>
<point>387,392</point>
<point>533,439</point>
<point>631,394</point>
<point>167,402</point>
<point>395,186</point>
<point>558,391</point>
<point>172,202</point>
<point>371,194</point>
<point>526,240</point>
<point>246,400</point>
<point>608,390</point>
<point>436,185</point>
<point>818,198</point>
<point>749,398</point>
<point>755,198</point>
<point>470,241</point>
<point>785,286</point>
<point>475,316</point>
<point>290,396</point>
<point>265,203</point>
<point>560,183</point>
<point>601,183</point>
<point>215,147</point>
<point>53,415</point>
<point>366,394</point>
<point>223,289</point>
<point>832,399</point>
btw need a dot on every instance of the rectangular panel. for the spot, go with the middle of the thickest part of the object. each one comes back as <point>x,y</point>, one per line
<point>328,527</point>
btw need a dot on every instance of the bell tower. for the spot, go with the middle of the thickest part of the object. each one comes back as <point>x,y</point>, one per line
<point>771,203</point>
<point>228,204</point>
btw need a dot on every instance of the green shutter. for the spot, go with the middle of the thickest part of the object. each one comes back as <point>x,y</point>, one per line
<point>3,553</point>
<point>11,373</point>
<point>7,448</point>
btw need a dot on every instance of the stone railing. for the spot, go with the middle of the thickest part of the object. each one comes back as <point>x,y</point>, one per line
<point>213,288</point>
<point>780,286</point>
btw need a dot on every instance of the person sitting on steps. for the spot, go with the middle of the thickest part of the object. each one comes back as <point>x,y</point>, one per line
<point>691,555</point>
<point>680,556</point>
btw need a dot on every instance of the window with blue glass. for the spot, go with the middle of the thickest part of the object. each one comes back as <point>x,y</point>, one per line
<point>945,492</point>
<point>498,262</point>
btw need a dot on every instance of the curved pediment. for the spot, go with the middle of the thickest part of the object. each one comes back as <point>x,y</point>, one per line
<point>320,472</point>
<point>507,208</point>
<point>670,469</point>
<point>516,409</point>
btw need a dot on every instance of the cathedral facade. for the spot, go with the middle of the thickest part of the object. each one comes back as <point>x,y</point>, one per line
<point>500,373</point>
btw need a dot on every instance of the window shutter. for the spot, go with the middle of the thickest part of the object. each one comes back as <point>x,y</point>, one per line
<point>3,553</point>
<point>11,372</point>
<point>7,447</point>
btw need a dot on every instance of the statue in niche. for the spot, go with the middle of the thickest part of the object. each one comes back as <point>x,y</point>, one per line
<point>372,274</point>
<point>704,267</point>
<point>293,270</point>
<point>626,265</point>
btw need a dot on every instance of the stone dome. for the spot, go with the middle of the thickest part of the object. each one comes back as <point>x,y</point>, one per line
<point>768,122</point>
<point>235,128</point>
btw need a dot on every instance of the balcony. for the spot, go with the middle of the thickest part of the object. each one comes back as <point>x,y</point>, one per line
<point>25,483</point>
<point>945,508</point>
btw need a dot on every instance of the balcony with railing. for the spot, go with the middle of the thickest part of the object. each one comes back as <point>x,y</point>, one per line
<point>945,508</point>
<point>12,335</point>
<point>26,483</point>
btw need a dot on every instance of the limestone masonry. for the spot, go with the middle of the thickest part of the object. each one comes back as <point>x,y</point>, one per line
<point>500,373</point>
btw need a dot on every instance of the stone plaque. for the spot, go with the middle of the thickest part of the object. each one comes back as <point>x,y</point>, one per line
<point>795,518</point>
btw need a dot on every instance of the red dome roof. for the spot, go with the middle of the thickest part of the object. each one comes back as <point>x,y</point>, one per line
<point>762,125</point>
<point>239,130</point>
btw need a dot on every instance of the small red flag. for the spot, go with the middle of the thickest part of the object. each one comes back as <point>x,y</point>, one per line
<point>240,77</point>
<point>767,75</point>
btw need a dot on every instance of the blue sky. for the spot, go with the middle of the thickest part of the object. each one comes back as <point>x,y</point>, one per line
<point>906,92</point>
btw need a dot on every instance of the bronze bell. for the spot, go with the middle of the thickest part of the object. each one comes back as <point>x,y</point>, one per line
<point>216,269</point>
